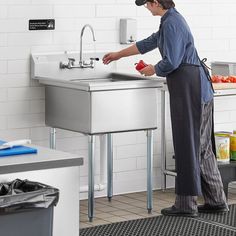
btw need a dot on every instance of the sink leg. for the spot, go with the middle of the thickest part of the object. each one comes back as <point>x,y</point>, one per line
<point>52,138</point>
<point>149,169</point>
<point>163,142</point>
<point>109,166</point>
<point>91,144</point>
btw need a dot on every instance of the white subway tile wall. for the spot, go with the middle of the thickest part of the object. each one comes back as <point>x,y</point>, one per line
<point>22,100</point>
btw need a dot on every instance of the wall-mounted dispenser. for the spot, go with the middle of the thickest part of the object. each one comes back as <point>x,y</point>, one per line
<point>128,30</point>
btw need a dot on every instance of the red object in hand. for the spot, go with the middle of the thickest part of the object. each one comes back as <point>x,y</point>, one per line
<point>140,65</point>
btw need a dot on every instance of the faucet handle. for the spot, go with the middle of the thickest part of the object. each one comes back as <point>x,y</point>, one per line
<point>94,58</point>
<point>71,62</point>
<point>71,59</point>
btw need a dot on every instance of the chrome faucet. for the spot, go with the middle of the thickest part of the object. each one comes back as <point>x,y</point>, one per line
<point>82,64</point>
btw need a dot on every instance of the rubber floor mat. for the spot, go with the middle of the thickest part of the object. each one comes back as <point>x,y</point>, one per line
<point>228,219</point>
<point>160,226</point>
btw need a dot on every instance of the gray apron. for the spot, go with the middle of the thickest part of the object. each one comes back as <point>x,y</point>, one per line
<point>184,86</point>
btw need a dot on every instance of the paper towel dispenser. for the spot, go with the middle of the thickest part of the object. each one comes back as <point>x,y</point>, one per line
<point>128,30</point>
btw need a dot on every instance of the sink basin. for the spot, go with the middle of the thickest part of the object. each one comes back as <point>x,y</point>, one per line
<point>113,77</point>
<point>95,112</point>
<point>113,81</point>
<point>102,105</point>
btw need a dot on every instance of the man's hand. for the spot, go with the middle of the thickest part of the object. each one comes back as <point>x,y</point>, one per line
<point>148,70</point>
<point>114,56</point>
<point>111,56</point>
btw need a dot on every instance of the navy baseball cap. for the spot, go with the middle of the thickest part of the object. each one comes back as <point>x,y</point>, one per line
<point>140,2</point>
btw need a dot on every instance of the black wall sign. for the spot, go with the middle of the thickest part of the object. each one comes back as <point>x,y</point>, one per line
<point>47,24</point>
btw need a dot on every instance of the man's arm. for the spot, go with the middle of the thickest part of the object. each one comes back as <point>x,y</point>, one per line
<point>113,56</point>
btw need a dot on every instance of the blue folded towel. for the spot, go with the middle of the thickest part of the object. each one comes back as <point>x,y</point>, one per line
<point>18,150</point>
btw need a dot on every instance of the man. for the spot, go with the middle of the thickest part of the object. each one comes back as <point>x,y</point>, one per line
<point>191,105</point>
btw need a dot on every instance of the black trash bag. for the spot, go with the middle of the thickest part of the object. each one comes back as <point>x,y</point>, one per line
<point>21,195</point>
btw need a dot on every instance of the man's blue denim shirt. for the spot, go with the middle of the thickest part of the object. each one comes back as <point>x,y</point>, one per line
<point>176,45</point>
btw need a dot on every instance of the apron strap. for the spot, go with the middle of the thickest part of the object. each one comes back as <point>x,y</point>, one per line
<point>206,70</point>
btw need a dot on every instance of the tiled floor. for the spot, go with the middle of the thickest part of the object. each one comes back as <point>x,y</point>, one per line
<point>131,206</point>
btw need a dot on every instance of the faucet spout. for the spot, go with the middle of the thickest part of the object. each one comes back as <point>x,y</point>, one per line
<point>81,41</point>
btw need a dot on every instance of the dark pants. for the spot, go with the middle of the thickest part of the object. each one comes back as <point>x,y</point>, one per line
<point>211,183</point>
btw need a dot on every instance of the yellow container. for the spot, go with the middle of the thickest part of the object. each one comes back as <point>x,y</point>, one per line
<point>223,133</point>
<point>222,141</point>
<point>234,132</point>
<point>233,147</point>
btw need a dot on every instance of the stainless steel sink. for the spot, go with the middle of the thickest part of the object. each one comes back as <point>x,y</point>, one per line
<point>103,105</point>
<point>94,101</point>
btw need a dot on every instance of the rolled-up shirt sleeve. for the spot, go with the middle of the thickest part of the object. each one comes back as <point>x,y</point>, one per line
<point>148,44</point>
<point>172,52</point>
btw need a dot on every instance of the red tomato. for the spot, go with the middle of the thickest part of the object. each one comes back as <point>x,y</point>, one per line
<point>223,79</point>
<point>226,80</point>
<point>216,78</point>
<point>140,65</point>
<point>232,79</point>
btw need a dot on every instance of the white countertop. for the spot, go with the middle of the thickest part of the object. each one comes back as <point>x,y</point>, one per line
<point>45,159</point>
<point>218,92</point>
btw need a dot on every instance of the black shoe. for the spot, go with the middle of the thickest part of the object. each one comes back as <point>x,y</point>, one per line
<point>206,208</point>
<point>173,211</point>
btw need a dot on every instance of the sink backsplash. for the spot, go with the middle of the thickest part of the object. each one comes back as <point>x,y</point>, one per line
<point>47,65</point>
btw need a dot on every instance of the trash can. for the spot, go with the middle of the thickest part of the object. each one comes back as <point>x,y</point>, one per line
<point>26,208</point>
